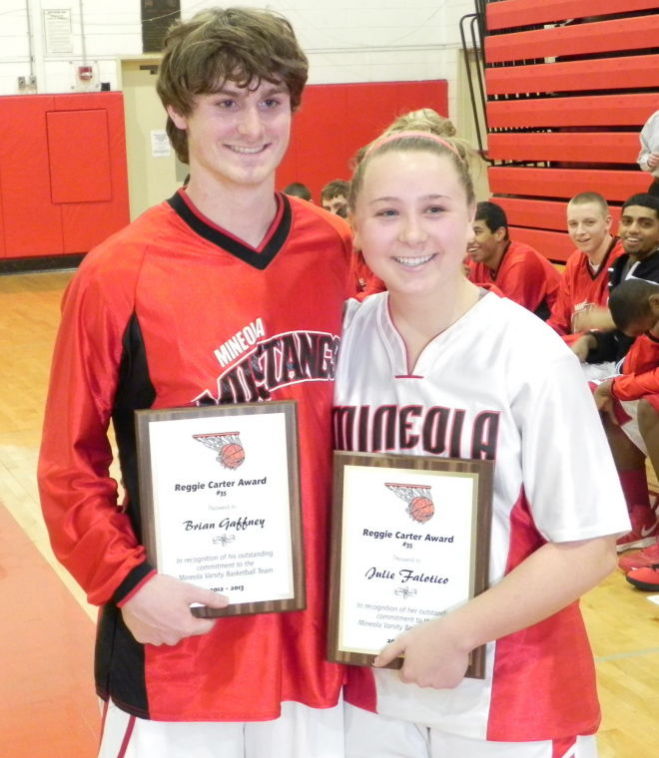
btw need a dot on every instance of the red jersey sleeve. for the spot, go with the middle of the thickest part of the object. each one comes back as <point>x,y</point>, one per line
<point>640,370</point>
<point>636,386</point>
<point>89,533</point>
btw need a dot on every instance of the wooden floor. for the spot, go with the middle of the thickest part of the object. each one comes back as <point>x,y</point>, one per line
<point>47,704</point>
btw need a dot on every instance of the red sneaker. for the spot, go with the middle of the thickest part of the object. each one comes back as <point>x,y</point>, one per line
<point>646,578</point>
<point>640,559</point>
<point>645,529</point>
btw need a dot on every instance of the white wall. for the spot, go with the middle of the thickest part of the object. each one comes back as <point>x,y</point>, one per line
<point>346,40</point>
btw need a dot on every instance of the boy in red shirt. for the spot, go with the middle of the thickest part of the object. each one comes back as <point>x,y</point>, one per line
<point>631,398</point>
<point>519,271</point>
<point>584,292</point>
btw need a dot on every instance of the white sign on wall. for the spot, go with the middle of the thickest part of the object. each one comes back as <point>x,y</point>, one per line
<point>160,144</point>
<point>58,31</point>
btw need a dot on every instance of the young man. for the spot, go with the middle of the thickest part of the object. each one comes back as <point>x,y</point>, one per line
<point>631,399</point>
<point>297,189</point>
<point>334,197</point>
<point>145,324</point>
<point>639,232</point>
<point>635,311</point>
<point>519,271</point>
<point>584,290</point>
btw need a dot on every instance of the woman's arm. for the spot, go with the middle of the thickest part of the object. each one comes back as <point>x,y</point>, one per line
<point>437,652</point>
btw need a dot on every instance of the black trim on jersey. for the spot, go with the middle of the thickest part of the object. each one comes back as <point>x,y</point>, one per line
<point>603,263</point>
<point>231,244</point>
<point>134,392</point>
<point>119,664</point>
<point>119,667</point>
<point>543,311</point>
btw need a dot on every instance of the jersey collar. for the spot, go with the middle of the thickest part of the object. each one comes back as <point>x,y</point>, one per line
<point>261,258</point>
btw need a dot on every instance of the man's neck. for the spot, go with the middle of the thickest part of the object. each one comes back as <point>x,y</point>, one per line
<point>245,211</point>
<point>599,255</point>
<point>641,256</point>
<point>494,262</point>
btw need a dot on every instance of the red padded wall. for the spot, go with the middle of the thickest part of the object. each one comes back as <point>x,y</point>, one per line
<point>32,224</point>
<point>85,224</point>
<point>567,94</point>
<point>63,177</point>
<point>335,120</point>
<point>79,156</point>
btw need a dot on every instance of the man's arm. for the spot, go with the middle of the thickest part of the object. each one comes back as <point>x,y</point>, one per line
<point>583,346</point>
<point>90,534</point>
<point>635,386</point>
<point>594,317</point>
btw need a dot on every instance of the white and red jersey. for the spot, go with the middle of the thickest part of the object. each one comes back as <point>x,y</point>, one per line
<point>581,288</point>
<point>501,385</point>
<point>174,311</point>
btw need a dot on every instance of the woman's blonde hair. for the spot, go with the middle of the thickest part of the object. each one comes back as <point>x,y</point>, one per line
<point>420,134</point>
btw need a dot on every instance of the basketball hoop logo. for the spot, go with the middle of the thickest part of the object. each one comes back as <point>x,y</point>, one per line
<point>418,498</point>
<point>230,452</point>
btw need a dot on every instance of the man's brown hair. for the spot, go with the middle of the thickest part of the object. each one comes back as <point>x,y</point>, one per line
<point>335,188</point>
<point>243,45</point>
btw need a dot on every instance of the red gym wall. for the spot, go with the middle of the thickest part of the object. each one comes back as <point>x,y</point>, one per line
<point>63,183</point>
<point>63,177</point>
<point>335,120</point>
<point>565,104</point>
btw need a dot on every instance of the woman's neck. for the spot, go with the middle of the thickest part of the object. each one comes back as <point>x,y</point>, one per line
<point>420,320</point>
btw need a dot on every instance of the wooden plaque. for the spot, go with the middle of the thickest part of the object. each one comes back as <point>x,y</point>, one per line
<point>410,541</point>
<point>220,502</point>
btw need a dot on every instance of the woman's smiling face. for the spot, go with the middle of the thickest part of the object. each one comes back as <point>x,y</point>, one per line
<point>412,220</point>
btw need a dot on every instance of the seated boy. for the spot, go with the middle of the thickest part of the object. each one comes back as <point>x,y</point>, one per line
<point>631,398</point>
<point>584,292</point>
<point>519,271</point>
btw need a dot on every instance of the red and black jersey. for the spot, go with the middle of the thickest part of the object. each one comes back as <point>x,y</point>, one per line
<point>581,287</point>
<point>523,275</point>
<point>158,316</point>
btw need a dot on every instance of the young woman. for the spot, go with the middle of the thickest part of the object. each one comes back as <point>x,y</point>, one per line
<point>432,340</point>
